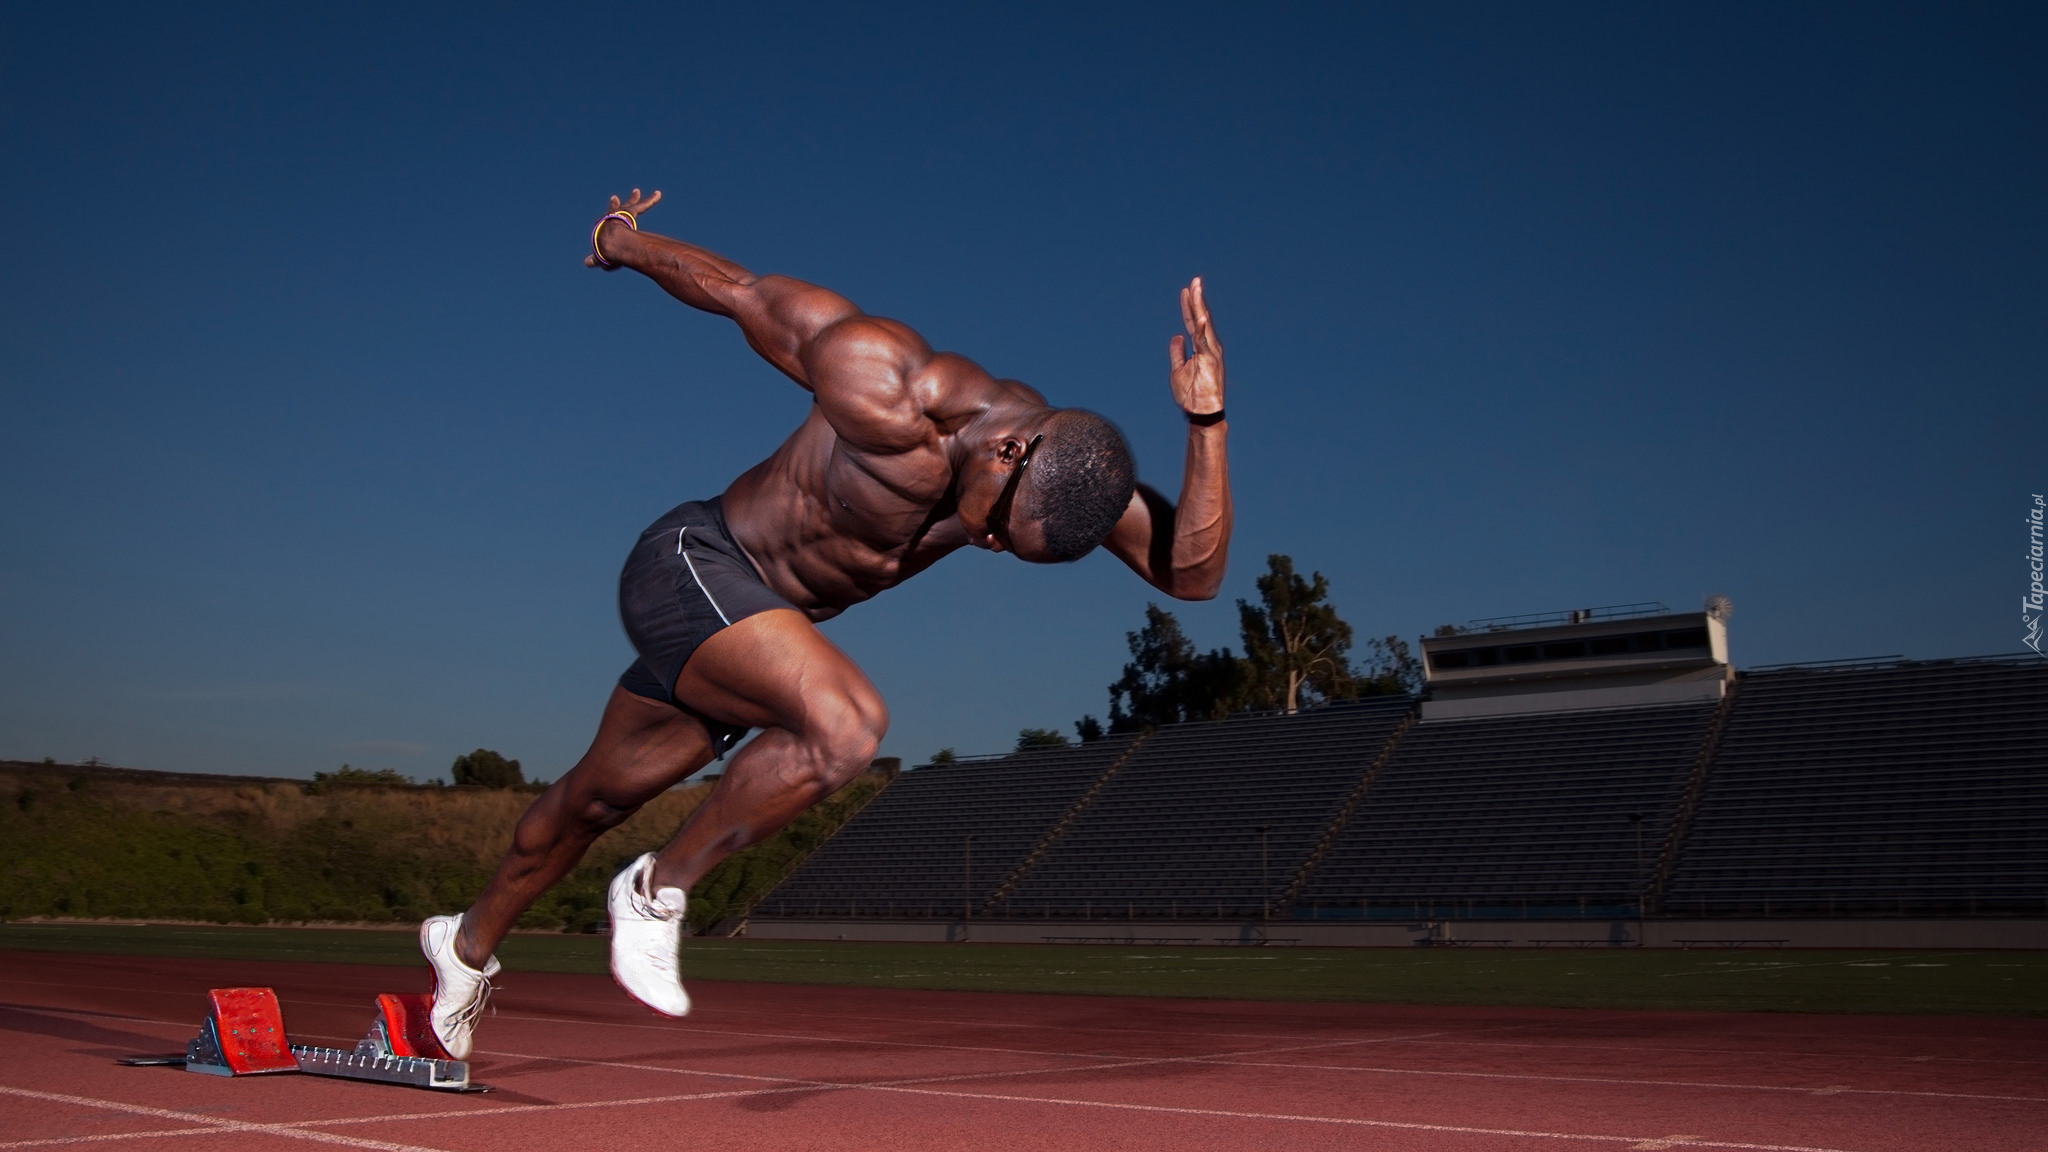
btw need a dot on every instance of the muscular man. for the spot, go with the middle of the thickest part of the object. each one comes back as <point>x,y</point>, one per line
<point>906,455</point>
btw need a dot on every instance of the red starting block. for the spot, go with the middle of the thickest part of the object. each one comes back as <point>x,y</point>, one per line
<point>404,1025</point>
<point>244,1034</point>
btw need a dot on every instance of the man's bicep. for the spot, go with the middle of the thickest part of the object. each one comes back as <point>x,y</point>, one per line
<point>1143,537</point>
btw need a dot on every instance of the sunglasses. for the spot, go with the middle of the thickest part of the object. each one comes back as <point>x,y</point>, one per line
<point>999,512</point>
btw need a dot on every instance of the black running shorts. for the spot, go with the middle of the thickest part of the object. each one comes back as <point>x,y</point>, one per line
<point>686,579</point>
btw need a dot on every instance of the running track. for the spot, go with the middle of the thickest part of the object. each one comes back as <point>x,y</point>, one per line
<point>762,1066</point>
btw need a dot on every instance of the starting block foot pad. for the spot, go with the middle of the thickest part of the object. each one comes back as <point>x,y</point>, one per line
<point>408,1026</point>
<point>242,1035</point>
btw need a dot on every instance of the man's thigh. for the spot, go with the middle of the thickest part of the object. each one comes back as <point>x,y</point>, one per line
<point>642,748</point>
<point>775,669</point>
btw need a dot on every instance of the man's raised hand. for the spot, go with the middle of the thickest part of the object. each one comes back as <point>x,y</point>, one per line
<point>1197,358</point>
<point>635,205</point>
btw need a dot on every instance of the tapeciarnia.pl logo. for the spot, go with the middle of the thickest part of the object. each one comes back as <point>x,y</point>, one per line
<point>2031,605</point>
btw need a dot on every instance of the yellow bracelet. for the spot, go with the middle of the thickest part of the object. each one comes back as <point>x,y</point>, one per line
<point>616,214</point>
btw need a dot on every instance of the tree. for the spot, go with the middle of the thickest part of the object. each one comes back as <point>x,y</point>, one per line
<point>1041,738</point>
<point>1392,669</point>
<point>348,777</point>
<point>1089,729</point>
<point>486,769</point>
<point>943,756</point>
<point>1294,641</point>
<point>1168,681</point>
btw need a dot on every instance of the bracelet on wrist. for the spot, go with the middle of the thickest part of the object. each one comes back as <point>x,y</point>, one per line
<point>620,215</point>
<point>1205,419</point>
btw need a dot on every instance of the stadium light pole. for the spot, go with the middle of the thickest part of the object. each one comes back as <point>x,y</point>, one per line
<point>1642,894</point>
<point>1265,882</point>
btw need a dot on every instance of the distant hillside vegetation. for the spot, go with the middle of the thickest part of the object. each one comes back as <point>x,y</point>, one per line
<point>92,842</point>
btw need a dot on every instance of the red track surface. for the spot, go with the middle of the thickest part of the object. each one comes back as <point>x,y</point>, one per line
<point>761,1066</point>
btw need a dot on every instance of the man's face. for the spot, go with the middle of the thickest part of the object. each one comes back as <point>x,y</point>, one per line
<point>1005,531</point>
<point>1026,540</point>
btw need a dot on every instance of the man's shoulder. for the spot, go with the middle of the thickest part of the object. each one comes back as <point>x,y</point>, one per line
<point>870,338</point>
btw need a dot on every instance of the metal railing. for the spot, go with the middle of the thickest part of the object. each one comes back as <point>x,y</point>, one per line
<point>1572,616</point>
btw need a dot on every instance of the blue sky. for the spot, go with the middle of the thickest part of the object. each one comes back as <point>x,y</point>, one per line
<point>322,446</point>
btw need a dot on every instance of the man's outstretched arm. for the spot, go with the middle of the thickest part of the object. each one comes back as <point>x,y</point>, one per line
<point>779,316</point>
<point>1182,550</point>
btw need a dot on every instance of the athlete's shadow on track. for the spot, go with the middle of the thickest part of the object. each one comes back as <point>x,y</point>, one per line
<point>65,1025</point>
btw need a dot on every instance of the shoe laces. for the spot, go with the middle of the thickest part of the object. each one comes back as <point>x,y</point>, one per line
<point>663,960</point>
<point>480,992</point>
<point>466,1016</point>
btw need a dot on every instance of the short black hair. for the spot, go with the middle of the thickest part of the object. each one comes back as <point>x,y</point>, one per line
<point>1081,480</point>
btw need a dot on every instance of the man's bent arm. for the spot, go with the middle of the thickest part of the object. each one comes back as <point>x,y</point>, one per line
<point>1182,551</point>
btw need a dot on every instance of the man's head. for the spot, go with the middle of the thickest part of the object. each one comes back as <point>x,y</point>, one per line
<point>1064,487</point>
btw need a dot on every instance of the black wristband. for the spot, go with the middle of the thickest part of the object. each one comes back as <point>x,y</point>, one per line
<point>1204,419</point>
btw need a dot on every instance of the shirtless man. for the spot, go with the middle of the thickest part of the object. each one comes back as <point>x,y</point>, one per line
<point>906,455</point>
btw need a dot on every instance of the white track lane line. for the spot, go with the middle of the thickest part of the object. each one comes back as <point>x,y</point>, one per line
<point>1408,1126</point>
<point>1822,1090</point>
<point>1108,1063</point>
<point>869,1042</point>
<point>1214,1113</point>
<point>52,1141</point>
<point>211,1123</point>
<point>1857,1056</point>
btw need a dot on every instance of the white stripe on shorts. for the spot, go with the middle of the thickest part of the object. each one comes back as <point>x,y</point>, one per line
<point>727,620</point>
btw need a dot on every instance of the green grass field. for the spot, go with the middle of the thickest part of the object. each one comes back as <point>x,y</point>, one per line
<point>1963,983</point>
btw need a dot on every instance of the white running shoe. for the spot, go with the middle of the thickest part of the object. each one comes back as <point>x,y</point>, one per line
<point>647,929</point>
<point>459,990</point>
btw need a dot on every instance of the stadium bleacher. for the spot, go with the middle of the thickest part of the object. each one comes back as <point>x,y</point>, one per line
<point>1555,813</point>
<point>1893,789</point>
<point>1901,789</point>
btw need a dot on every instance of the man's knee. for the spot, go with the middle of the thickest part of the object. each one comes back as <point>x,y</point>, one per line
<point>844,734</point>
<point>597,815</point>
<point>567,811</point>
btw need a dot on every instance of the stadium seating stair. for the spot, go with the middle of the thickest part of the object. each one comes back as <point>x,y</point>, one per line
<point>1209,820</point>
<point>939,838</point>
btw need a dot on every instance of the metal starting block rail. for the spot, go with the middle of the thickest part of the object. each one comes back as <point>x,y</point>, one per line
<point>244,1035</point>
